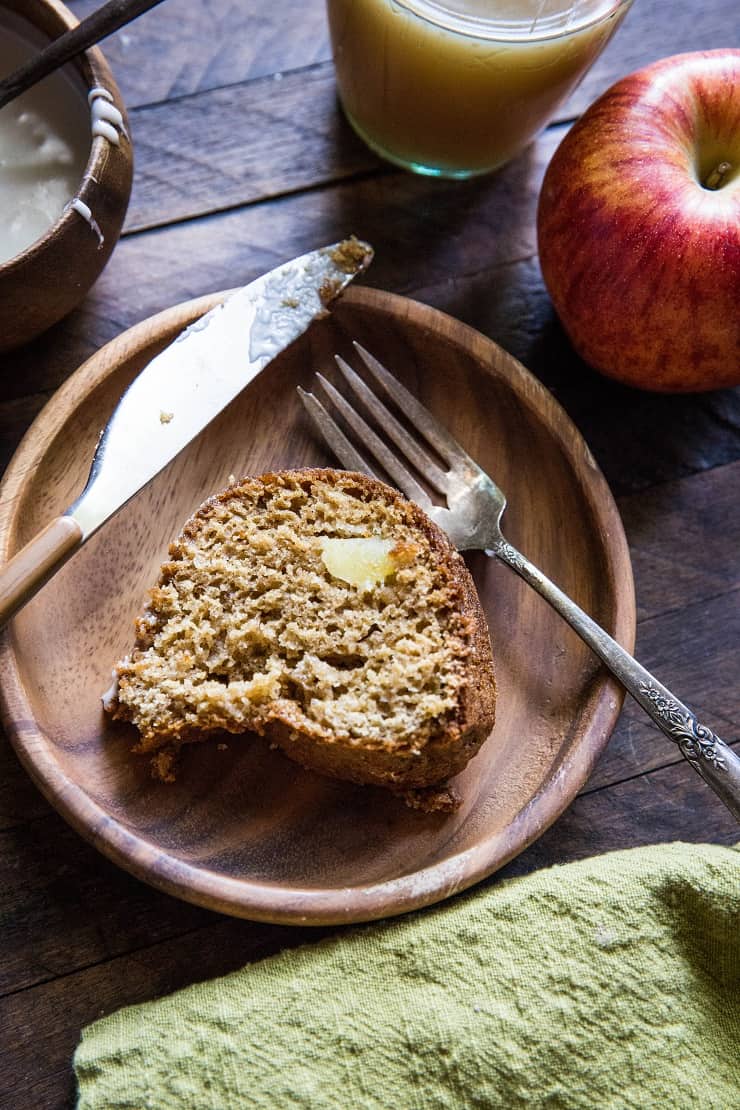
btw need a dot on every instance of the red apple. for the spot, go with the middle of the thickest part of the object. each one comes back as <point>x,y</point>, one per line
<point>639,226</point>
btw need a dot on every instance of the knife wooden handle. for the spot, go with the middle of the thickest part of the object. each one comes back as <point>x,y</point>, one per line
<point>35,563</point>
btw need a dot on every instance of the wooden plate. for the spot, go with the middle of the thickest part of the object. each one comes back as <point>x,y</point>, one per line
<point>244,830</point>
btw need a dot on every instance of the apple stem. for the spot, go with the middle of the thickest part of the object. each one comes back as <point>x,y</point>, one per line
<point>717,176</point>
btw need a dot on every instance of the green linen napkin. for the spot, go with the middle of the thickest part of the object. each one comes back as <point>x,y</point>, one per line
<point>612,982</point>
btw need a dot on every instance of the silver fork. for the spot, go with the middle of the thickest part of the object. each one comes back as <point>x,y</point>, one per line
<point>472,519</point>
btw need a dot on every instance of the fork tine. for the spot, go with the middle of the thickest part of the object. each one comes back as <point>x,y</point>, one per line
<point>333,435</point>
<point>403,478</point>
<point>434,432</point>
<point>394,429</point>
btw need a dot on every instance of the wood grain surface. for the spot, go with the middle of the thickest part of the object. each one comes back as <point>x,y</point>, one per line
<point>80,936</point>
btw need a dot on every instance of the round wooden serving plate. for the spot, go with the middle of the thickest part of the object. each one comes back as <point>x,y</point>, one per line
<point>244,830</point>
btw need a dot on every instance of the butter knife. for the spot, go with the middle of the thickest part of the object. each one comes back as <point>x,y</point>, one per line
<point>178,393</point>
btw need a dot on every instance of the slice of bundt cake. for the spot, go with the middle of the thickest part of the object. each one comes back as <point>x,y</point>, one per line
<point>323,610</point>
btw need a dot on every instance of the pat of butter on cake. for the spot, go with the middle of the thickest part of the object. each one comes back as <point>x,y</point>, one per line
<point>364,561</point>
<point>323,610</point>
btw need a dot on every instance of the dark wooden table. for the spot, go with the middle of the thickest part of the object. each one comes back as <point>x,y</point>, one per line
<point>243,160</point>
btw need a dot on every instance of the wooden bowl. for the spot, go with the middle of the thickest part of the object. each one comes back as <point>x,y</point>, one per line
<point>243,830</point>
<point>51,277</point>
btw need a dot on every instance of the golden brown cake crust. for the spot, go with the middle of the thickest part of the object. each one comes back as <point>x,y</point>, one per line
<point>417,763</point>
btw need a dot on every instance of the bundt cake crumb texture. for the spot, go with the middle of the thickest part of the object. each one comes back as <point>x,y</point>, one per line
<point>382,677</point>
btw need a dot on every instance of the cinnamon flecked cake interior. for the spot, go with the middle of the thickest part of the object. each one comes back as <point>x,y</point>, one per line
<point>323,610</point>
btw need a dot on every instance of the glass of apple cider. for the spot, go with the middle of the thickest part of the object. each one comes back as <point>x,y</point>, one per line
<point>456,88</point>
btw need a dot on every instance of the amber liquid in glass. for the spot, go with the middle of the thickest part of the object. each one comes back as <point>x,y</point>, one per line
<point>440,94</point>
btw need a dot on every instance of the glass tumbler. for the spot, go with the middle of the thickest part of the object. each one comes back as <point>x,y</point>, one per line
<point>456,88</point>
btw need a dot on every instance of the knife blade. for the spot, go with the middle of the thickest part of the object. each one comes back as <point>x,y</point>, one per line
<point>178,393</point>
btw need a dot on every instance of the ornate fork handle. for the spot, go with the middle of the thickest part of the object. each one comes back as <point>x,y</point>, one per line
<point>714,760</point>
